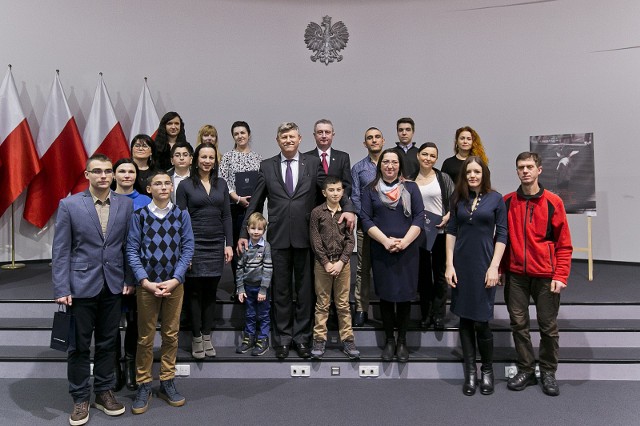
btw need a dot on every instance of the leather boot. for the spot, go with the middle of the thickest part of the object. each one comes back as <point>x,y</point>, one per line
<point>485,347</point>
<point>118,372</point>
<point>467,339</point>
<point>389,349</point>
<point>402,351</point>
<point>130,373</point>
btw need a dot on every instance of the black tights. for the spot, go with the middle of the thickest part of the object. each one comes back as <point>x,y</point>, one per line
<point>395,314</point>
<point>201,292</point>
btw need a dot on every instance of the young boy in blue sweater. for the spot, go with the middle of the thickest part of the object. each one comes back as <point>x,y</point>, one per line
<point>253,278</point>
<point>159,250</point>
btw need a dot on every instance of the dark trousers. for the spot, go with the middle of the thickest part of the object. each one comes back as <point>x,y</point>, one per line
<point>257,313</point>
<point>237,217</point>
<point>130,307</point>
<point>518,291</point>
<point>292,292</point>
<point>432,285</point>
<point>98,316</point>
<point>201,294</point>
<point>395,314</point>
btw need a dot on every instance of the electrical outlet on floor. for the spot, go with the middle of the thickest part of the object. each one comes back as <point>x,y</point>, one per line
<point>300,370</point>
<point>369,371</point>
<point>183,370</point>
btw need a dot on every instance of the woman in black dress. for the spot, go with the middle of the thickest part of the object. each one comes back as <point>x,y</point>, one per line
<point>170,130</point>
<point>476,239</point>
<point>206,197</point>
<point>466,143</point>
<point>143,152</point>
<point>393,215</point>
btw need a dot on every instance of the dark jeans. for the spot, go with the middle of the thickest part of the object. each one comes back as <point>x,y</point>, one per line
<point>257,313</point>
<point>201,294</point>
<point>293,296</point>
<point>100,315</point>
<point>432,285</point>
<point>518,291</point>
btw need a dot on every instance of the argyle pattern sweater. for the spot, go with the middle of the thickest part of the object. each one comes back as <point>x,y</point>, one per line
<point>160,249</point>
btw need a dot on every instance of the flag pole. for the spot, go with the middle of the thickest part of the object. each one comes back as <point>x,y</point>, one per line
<point>13,265</point>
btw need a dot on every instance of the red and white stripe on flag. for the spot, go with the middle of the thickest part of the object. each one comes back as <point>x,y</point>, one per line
<point>146,120</point>
<point>62,158</point>
<point>18,157</point>
<point>103,133</point>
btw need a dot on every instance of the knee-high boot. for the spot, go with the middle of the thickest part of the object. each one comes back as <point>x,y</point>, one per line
<point>485,347</point>
<point>468,341</point>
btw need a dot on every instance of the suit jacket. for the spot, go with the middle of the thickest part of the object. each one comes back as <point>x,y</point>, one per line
<point>339,165</point>
<point>288,215</point>
<point>83,259</point>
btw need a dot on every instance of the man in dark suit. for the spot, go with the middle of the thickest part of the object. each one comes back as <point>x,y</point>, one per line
<point>406,147</point>
<point>291,182</point>
<point>333,161</point>
<point>88,274</point>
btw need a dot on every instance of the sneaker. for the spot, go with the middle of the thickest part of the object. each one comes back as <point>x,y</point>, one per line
<point>317,351</point>
<point>349,348</point>
<point>107,402</point>
<point>141,403</point>
<point>261,347</point>
<point>169,393</point>
<point>549,384</point>
<point>246,345</point>
<point>209,350</point>
<point>80,414</point>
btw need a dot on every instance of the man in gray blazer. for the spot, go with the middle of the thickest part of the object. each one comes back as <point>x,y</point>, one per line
<point>334,162</point>
<point>291,181</point>
<point>88,274</point>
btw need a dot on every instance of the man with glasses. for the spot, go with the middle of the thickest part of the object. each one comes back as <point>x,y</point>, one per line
<point>88,274</point>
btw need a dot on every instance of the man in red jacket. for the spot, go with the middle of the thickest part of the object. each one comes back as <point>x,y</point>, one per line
<point>537,264</point>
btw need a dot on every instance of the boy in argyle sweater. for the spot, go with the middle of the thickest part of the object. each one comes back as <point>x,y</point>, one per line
<point>159,250</point>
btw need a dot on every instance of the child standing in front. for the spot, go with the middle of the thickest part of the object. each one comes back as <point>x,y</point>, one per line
<point>253,278</point>
<point>159,250</point>
<point>332,244</point>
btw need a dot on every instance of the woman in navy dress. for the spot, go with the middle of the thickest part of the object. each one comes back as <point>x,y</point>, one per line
<point>392,215</point>
<point>206,197</point>
<point>476,239</point>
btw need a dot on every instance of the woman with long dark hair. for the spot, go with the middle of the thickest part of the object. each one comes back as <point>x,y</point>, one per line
<point>466,143</point>
<point>392,215</point>
<point>170,131</point>
<point>476,240</point>
<point>206,197</point>
<point>143,152</point>
<point>436,189</point>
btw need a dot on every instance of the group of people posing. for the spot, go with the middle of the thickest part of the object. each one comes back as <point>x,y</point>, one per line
<point>159,227</point>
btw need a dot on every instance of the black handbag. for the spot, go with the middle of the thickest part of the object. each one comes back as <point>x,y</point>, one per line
<point>63,331</point>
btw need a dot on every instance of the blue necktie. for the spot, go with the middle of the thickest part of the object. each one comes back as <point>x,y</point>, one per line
<point>288,178</point>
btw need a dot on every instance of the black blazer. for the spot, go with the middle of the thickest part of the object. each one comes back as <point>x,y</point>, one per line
<point>339,165</point>
<point>288,215</point>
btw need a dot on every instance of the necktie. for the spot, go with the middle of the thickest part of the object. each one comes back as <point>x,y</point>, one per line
<point>325,166</point>
<point>288,178</point>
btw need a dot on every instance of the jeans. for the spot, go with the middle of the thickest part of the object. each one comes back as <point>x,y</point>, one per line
<point>257,313</point>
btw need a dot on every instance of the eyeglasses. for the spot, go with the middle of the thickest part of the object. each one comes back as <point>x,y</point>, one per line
<point>141,146</point>
<point>390,163</point>
<point>99,172</point>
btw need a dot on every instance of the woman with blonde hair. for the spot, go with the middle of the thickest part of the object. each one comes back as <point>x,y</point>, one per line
<point>209,133</point>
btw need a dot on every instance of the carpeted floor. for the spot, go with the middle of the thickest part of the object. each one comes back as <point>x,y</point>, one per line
<point>338,402</point>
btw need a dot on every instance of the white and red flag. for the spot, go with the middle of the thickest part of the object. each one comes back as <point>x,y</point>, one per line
<point>146,120</point>
<point>62,158</point>
<point>18,157</point>
<point>103,133</point>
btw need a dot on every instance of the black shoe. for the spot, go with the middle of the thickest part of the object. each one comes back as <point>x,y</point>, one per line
<point>549,384</point>
<point>521,381</point>
<point>303,350</point>
<point>425,323</point>
<point>130,374</point>
<point>282,351</point>
<point>438,323</point>
<point>360,318</point>
<point>470,381</point>
<point>486,380</point>
<point>402,351</point>
<point>389,350</point>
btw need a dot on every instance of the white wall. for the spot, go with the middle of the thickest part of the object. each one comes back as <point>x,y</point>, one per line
<point>509,70</point>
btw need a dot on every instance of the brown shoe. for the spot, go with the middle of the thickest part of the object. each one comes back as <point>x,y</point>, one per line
<point>107,402</point>
<point>80,414</point>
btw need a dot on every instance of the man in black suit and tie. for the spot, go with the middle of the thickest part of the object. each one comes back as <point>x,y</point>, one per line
<point>291,182</point>
<point>333,161</point>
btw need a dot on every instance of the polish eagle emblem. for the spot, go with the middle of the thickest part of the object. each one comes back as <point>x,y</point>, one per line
<point>326,40</point>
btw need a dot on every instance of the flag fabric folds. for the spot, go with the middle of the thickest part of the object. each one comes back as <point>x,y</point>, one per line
<point>146,119</point>
<point>103,133</point>
<point>19,161</point>
<point>62,159</point>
